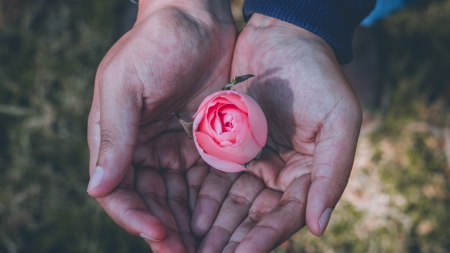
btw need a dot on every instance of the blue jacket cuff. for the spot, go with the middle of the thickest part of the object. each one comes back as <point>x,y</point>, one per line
<point>333,20</point>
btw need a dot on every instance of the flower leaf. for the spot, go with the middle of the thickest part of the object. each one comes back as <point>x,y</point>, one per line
<point>236,80</point>
<point>187,126</point>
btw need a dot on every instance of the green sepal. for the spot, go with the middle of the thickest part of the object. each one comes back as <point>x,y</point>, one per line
<point>236,80</point>
<point>256,158</point>
<point>187,126</point>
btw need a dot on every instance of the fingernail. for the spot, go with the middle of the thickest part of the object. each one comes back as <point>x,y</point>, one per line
<point>96,178</point>
<point>324,219</point>
<point>147,238</point>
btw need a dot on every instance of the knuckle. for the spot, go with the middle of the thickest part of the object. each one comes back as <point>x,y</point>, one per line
<point>208,197</point>
<point>229,233</point>
<point>293,202</point>
<point>255,216</point>
<point>110,138</point>
<point>290,209</point>
<point>240,200</point>
<point>107,139</point>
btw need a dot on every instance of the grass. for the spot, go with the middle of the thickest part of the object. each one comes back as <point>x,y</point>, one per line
<point>50,53</point>
<point>398,198</point>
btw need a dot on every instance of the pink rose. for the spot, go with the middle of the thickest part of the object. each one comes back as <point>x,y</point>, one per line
<point>229,130</point>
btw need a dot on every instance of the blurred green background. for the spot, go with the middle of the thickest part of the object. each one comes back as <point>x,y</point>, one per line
<point>398,197</point>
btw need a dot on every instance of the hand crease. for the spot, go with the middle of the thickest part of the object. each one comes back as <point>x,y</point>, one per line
<point>270,228</point>
<point>239,199</point>
<point>292,200</point>
<point>223,229</point>
<point>125,213</point>
<point>125,186</point>
<point>173,229</point>
<point>153,196</point>
<point>341,182</point>
<point>178,200</point>
<point>171,171</point>
<point>225,177</point>
<point>209,197</point>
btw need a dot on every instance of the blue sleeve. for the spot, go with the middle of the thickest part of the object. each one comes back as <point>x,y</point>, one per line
<point>333,20</point>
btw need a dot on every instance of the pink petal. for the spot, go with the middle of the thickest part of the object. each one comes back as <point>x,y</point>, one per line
<point>231,119</point>
<point>231,110</point>
<point>229,136</point>
<point>207,124</point>
<point>221,164</point>
<point>227,118</point>
<point>225,143</point>
<point>216,162</point>
<point>216,124</point>
<point>243,128</point>
<point>256,119</point>
<point>221,100</point>
<point>231,96</point>
<point>205,127</point>
<point>240,153</point>
<point>248,144</point>
<point>234,98</point>
<point>202,106</point>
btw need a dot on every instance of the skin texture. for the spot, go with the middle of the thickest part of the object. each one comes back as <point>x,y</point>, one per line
<point>149,172</point>
<point>314,121</point>
<point>154,183</point>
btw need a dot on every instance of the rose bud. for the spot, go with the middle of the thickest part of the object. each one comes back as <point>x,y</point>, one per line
<point>229,130</point>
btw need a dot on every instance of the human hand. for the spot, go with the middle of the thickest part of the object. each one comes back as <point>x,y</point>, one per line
<point>142,166</point>
<point>314,121</point>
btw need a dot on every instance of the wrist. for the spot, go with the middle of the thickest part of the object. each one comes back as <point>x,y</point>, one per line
<point>273,27</point>
<point>262,21</point>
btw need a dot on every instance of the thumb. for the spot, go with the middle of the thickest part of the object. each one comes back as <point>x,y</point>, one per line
<point>332,164</point>
<point>120,106</point>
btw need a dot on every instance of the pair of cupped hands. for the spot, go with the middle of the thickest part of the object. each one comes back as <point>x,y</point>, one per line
<point>149,177</point>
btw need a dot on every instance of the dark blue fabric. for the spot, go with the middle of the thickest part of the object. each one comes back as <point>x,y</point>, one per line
<point>333,20</point>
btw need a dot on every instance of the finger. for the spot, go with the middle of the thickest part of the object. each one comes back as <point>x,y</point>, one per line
<point>177,200</point>
<point>282,222</point>
<point>212,194</point>
<point>195,177</point>
<point>234,210</point>
<point>262,205</point>
<point>120,105</point>
<point>94,130</point>
<point>128,210</point>
<point>170,244</point>
<point>332,165</point>
<point>152,189</point>
<point>230,247</point>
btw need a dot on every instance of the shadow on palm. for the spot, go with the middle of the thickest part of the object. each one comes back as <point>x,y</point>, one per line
<point>287,154</point>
